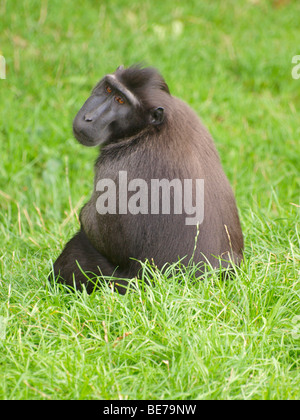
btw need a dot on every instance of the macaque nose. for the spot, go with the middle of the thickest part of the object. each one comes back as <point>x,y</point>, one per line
<point>95,113</point>
<point>88,117</point>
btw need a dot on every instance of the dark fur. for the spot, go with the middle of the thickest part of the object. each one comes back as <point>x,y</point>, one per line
<point>179,147</point>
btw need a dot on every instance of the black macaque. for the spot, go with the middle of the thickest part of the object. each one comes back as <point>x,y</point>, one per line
<point>152,139</point>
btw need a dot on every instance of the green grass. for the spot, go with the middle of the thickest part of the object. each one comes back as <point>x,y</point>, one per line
<point>231,61</point>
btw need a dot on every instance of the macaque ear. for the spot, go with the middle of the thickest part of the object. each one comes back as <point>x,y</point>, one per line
<point>121,67</point>
<point>157,115</point>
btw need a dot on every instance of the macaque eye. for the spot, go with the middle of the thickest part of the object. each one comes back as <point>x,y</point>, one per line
<point>119,99</point>
<point>108,89</point>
